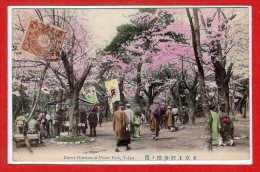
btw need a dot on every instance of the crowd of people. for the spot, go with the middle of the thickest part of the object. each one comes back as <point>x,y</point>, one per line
<point>47,126</point>
<point>127,124</point>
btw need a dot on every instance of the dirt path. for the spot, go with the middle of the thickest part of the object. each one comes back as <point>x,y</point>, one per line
<point>185,144</point>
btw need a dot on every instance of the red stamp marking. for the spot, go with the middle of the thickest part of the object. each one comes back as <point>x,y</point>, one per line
<point>44,41</point>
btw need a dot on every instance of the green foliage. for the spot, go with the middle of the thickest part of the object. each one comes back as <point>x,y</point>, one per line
<point>176,37</point>
<point>72,139</point>
<point>125,33</point>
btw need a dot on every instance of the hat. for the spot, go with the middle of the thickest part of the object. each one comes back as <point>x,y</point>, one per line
<point>175,111</point>
<point>169,107</point>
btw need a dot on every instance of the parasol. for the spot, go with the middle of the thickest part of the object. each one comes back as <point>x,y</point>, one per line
<point>156,109</point>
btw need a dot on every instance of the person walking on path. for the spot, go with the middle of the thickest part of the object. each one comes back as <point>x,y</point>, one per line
<point>83,122</point>
<point>121,128</point>
<point>57,122</point>
<point>184,116</point>
<point>155,125</point>
<point>98,112</point>
<point>130,115</point>
<point>137,124</point>
<point>48,123</point>
<point>170,118</point>
<point>42,121</point>
<point>143,121</point>
<point>93,120</point>
<point>175,118</point>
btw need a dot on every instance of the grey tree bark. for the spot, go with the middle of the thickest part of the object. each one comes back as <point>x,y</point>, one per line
<point>201,78</point>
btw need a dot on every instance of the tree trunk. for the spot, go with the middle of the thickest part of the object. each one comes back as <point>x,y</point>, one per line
<point>37,97</point>
<point>107,110</point>
<point>198,56</point>
<point>208,119</point>
<point>246,102</point>
<point>74,89</point>
<point>74,114</point>
<point>60,98</point>
<point>25,128</point>
<point>192,106</point>
<point>192,98</point>
<point>150,95</point>
<point>179,97</point>
<point>21,92</point>
<point>222,78</point>
<point>151,99</point>
<point>174,97</point>
<point>121,88</point>
<point>139,84</point>
<point>244,112</point>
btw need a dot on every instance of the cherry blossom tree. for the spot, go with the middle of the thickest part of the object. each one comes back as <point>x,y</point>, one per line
<point>219,43</point>
<point>155,44</point>
<point>194,24</point>
<point>75,64</point>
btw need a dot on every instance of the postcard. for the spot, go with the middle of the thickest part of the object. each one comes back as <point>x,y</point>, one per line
<point>130,85</point>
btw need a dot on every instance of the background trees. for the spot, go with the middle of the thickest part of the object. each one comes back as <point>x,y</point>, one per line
<point>149,47</point>
<point>166,56</point>
<point>74,53</point>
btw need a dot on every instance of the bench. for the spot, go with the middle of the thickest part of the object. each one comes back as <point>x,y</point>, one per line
<point>19,140</point>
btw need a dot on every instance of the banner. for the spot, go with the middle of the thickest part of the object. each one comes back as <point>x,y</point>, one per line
<point>43,40</point>
<point>91,95</point>
<point>113,90</point>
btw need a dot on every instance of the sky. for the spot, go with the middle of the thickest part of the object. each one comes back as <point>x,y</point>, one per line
<point>102,23</point>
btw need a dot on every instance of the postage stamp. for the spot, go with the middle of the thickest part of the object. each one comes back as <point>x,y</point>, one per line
<point>43,41</point>
<point>129,85</point>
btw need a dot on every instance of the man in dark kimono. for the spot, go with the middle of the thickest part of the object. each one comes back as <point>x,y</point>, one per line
<point>170,118</point>
<point>93,120</point>
<point>121,128</point>
<point>57,122</point>
<point>155,125</point>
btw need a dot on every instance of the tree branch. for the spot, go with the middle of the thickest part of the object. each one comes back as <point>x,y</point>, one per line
<point>195,81</point>
<point>60,80</point>
<point>83,77</point>
<point>39,14</point>
<point>230,68</point>
<point>68,70</point>
<point>145,91</point>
